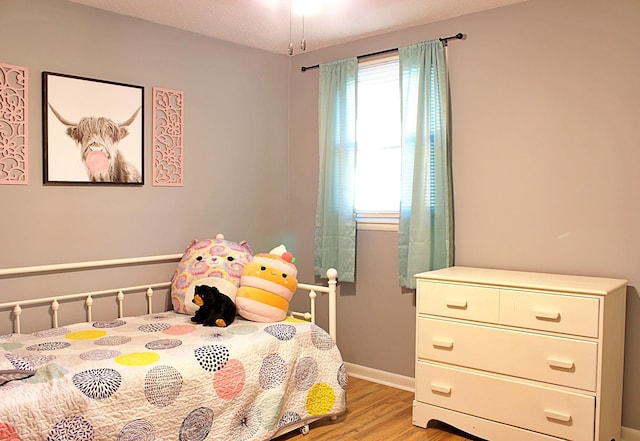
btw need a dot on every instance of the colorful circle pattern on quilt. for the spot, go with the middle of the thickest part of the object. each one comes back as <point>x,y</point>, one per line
<point>47,373</point>
<point>162,385</point>
<point>272,372</point>
<point>98,384</point>
<point>99,354</point>
<point>320,399</point>
<point>306,374</point>
<point>8,432</point>
<point>18,363</point>
<point>86,335</point>
<point>229,381</point>
<point>137,430</point>
<point>196,425</point>
<point>243,329</point>
<point>38,360</point>
<point>73,428</point>
<point>281,331</point>
<point>113,340</point>
<point>53,332</point>
<point>49,346</point>
<point>109,324</point>
<point>137,359</point>
<point>320,338</point>
<point>167,343</point>
<point>212,358</point>
<point>246,425</point>
<point>153,327</point>
<point>179,330</point>
<point>269,409</point>
<point>288,418</point>
<point>343,377</point>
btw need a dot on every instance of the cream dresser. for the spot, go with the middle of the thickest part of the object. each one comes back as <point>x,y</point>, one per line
<point>515,356</point>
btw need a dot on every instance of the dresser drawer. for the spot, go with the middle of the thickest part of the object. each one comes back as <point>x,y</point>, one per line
<point>550,312</point>
<point>467,302</point>
<point>556,360</point>
<point>522,404</point>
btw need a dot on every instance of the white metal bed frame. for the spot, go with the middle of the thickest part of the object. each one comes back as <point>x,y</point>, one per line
<point>17,306</point>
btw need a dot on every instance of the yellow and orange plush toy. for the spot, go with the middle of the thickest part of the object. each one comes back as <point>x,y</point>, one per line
<point>267,284</point>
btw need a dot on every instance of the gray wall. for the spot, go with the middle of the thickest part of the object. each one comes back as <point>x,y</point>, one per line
<point>235,139</point>
<point>235,148</point>
<point>546,154</point>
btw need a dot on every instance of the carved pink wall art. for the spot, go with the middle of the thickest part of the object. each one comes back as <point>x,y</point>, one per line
<point>14,146</point>
<point>167,137</point>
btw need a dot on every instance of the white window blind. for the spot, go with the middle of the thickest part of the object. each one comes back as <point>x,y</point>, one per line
<point>378,135</point>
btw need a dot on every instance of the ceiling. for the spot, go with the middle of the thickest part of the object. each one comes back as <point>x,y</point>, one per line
<point>264,24</point>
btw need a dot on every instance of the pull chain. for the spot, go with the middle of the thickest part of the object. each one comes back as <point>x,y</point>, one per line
<point>303,42</point>
<point>290,48</point>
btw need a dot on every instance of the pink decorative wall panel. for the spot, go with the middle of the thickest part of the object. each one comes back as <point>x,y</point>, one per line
<point>14,146</point>
<point>167,137</point>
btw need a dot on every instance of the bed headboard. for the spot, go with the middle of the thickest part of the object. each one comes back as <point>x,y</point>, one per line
<point>15,308</point>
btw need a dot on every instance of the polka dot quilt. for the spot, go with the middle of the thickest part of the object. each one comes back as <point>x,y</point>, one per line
<point>160,377</point>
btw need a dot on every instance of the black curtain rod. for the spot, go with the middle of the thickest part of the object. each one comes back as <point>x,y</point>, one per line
<point>444,40</point>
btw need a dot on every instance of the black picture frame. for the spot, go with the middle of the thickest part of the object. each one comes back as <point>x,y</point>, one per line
<point>93,131</point>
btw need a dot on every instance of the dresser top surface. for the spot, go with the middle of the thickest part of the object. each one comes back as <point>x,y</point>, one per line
<point>521,279</point>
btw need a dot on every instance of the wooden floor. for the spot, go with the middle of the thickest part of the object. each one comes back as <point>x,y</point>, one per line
<point>376,412</point>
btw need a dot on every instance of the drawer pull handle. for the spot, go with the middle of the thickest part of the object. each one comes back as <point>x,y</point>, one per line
<point>443,343</point>
<point>547,315</point>
<point>561,364</point>
<point>558,416</point>
<point>458,304</point>
<point>440,389</point>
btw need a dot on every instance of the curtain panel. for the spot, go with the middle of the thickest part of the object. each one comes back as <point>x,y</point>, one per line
<point>425,229</point>
<point>335,231</point>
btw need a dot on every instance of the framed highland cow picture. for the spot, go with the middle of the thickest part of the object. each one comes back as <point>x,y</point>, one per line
<point>93,131</point>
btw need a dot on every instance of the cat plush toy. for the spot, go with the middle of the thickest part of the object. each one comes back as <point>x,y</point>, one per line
<point>213,262</point>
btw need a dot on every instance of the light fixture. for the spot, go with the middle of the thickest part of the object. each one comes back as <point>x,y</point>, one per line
<point>303,8</point>
<point>306,7</point>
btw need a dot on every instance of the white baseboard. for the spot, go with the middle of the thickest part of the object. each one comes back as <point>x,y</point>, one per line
<point>409,384</point>
<point>381,377</point>
<point>629,434</point>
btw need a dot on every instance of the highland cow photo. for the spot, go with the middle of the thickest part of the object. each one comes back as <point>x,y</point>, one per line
<point>93,131</point>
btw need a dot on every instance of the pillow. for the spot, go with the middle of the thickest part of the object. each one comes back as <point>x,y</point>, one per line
<point>214,262</point>
<point>13,367</point>
<point>267,285</point>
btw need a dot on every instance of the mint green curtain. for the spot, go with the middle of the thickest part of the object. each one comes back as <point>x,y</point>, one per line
<point>425,230</point>
<point>335,234</point>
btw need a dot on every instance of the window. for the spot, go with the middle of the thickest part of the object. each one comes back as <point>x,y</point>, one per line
<point>349,120</point>
<point>378,135</point>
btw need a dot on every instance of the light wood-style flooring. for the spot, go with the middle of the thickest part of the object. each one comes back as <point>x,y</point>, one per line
<point>376,413</point>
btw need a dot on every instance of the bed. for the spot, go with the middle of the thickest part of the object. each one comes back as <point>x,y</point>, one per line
<point>157,375</point>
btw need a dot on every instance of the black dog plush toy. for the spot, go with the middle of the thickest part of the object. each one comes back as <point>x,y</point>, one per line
<point>216,309</point>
